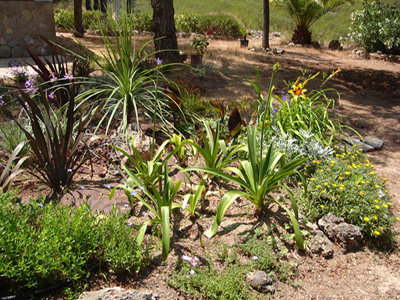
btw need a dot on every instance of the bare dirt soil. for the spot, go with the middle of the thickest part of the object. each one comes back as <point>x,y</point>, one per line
<point>369,101</point>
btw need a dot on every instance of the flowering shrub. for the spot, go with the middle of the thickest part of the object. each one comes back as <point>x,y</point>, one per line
<point>377,27</point>
<point>347,186</point>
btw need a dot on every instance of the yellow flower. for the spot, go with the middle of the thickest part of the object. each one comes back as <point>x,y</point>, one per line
<point>323,192</point>
<point>389,203</point>
<point>397,218</point>
<point>358,185</point>
<point>333,197</point>
<point>366,219</point>
<point>313,161</point>
<point>375,217</point>
<point>322,171</point>
<point>368,181</point>
<point>367,161</point>
<point>384,205</point>
<point>362,193</point>
<point>362,181</point>
<point>319,186</point>
<point>312,179</point>
<point>386,191</point>
<point>372,173</point>
<point>334,185</point>
<point>377,232</point>
<point>384,178</point>
<point>298,90</point>
<point>377,207</point>
<point>381,228</point>
<point>325,183</point>
<point>349,167</point>
<point>347,173</point>
<point>377,186</point>
<point>376,201</point>
<point>340,178</point>
<point>322,206</point>
<point>332,162</point>
<point>341,188</point>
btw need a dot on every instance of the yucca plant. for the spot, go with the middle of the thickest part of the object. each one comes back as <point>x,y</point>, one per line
<point>130,88</point>
<point>305,13</point>
<point>158,198</point>
<point>215,152</point>
<point>57,143</point>
<point>9,170</point>
<point>262,173</point>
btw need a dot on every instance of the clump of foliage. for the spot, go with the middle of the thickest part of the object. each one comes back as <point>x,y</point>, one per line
<point>377,27</point>
<point>65,18</point>
<point>45,244</point>
<point>347,186</point>
<point>219,24</point>
<point>305,13</point>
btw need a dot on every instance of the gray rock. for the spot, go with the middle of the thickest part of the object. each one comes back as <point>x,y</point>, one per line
<point>5,51</point>
<point>320,244</point>
<point>117,293</point>
<point>16,51</point>
<point>346,235</point>
<point>374,141</point>
<point>363,146</point>
<point>142,144</point>
<point>260,281</point>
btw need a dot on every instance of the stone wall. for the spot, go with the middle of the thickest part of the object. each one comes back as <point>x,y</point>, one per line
<point>18,22</point>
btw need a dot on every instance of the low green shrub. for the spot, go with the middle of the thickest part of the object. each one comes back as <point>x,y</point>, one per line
<point>347,186</point>
<point>219,24</point>
<point>186,22</point>
<point>142,22</point>
<point>65,18</point>
<point>41,245</point>
<point>377,27</point>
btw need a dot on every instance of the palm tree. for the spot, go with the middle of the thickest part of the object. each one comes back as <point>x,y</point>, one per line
<point>305,13</point>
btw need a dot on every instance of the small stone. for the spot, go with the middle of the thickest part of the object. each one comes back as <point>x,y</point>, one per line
<point>363,146</point>
<point>260,281</point>
<point>335,45</point>
<point>374,141</point>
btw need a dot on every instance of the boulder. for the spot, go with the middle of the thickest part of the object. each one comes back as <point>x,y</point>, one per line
<point>346,235</point>
<point>260,281</point>
<point>374,141</point>
<point>320,244</point>
<point>363,146</point>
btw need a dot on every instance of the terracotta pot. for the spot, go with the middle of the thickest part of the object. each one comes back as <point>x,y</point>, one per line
<point>196,59</point>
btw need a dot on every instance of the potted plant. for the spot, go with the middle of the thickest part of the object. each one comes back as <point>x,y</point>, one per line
<point>244,42</point>
<point>200,45</point>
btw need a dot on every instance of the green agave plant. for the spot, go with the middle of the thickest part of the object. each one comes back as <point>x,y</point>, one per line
<point>161,195</point>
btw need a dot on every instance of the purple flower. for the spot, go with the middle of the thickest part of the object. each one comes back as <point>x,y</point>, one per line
<point>51,95</point>
<point>194,261</point>
<point>158,61</point>
<point>69,76</point>
<point>142,188</point>
<point>144,213</point>
<point>107,186</point>
<point>282,92</point>
<point>82,187</point>
<point>53,78</point>
<point>43,50</point>
<point>290,103</point>
<point>188,276</point>
<point>133,193</point>
<point>127,185</point>
<point>186,258</point>
<point>30,84</point>
<point>129,224</point>
<point>126,205</point>
<point>1,101</point>
<point>254,258</point>
<point>283,98</point>
<point>192,272</point>
<point>31,41</point>
<point>69,170</point>
<point>40,205</point>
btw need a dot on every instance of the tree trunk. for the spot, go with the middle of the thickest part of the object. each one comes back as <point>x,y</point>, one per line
<point>163,26</point>
<point>96,4</point>
<point>78,24</point>
<point>301,35</point>
<point>265,37</point>
<point>103,6</point>
<point>88,4</point>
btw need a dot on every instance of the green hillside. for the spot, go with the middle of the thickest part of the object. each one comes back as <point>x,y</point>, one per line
<point>249,13</point>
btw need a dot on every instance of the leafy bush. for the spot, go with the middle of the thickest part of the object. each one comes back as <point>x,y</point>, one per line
<point>377,27</point>
<point>347,186</point>
<point>219,24</point>
<point>41,245</point>
<point>186,22</point>
<point>142,22</point>
<point>65,18</point>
